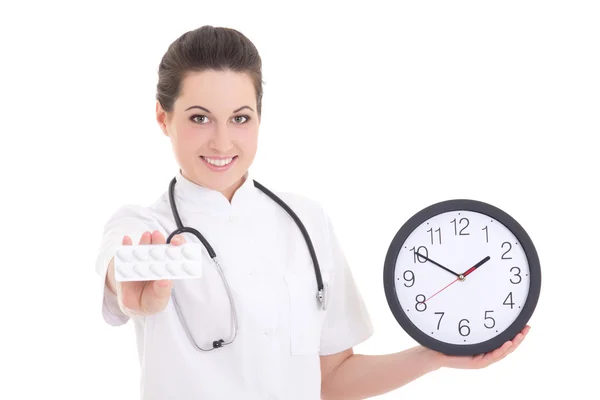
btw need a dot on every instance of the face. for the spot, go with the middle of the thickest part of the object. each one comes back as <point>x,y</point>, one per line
<point>213,128</point>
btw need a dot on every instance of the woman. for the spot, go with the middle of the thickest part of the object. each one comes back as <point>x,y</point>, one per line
<point>284,345</point>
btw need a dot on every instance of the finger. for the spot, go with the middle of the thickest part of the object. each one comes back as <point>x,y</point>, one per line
<point>178,240</point>
<point>495,355</point>
<point>516,342</point>
<point>146,238</point>
<point>158,238</point>
<point>510,349</point>
<point>130,295</point>
<point>119,285</point>
<point>155,296</point>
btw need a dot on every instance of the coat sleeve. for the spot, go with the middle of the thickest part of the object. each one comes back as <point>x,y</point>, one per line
<point>347,322</point>
<point>128,220</point>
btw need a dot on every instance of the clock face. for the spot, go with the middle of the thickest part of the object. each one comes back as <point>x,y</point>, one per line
<point>462,277</point>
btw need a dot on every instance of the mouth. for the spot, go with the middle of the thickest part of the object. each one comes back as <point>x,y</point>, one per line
<point>219,163</point>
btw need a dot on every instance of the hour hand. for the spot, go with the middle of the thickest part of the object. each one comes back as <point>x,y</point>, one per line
<point>438,264</point>
<point>474,267</point>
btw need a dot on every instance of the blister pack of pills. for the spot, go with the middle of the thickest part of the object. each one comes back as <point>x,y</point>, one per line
<point>147,262</point>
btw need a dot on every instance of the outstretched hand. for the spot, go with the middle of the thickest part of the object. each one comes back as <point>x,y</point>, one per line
<point>144,297</point>
<point>484,360</point>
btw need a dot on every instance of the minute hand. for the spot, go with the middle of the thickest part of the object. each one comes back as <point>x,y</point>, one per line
<point>439,265</point>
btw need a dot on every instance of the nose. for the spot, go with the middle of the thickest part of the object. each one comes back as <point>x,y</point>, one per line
<point>221,140</point>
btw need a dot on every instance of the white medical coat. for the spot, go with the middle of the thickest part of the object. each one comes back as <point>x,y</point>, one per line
<point>282,331</point>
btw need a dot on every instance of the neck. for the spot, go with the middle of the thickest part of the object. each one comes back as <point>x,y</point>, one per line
<point>230,191</point>
<point>227,192</point>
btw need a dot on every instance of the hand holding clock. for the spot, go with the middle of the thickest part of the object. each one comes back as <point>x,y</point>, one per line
<point>479,323</point>
<point>482,360</point>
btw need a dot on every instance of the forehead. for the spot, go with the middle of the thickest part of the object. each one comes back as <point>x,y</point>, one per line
<point>219,91</point>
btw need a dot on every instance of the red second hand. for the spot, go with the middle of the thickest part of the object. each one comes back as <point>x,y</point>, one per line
<point>461,277</point>
<point>457,279</point>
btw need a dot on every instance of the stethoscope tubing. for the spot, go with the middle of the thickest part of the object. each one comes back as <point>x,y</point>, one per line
<point>211,252</point>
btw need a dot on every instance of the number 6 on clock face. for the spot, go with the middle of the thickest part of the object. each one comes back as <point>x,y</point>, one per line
<point>462,277</point>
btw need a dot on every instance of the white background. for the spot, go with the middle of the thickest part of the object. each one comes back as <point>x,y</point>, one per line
<point>375,109</point>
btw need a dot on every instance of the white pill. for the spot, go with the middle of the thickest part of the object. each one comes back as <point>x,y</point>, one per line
<point>125,254</point>
<point>125,270</point>
<point>174,269</point>
<point>140,253</point>
<point>173,252</point>
<point>158,253</point>
<point>142,270</point>
<point>158,270</point>
<point>192,252</point>
<point>191,268</point>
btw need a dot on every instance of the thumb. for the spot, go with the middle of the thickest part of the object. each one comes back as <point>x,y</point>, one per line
<point>155,296</point>
<point>178,240</point>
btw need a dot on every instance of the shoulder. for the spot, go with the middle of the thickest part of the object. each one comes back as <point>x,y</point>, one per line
<point>313,215</point>
<point>300,201</point>
<point>305,207</point>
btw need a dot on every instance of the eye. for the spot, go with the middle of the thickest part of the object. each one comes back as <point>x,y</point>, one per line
<point>241,119</point>
<point>200,119</point>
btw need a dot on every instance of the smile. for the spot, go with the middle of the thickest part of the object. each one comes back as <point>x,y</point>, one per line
<point>220,161</point>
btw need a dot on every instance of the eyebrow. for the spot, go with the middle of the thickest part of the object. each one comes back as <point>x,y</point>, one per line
<point>205,109</point>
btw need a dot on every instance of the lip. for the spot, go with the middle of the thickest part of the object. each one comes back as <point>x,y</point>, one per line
<point>219,157</point>
<point>216,168</point>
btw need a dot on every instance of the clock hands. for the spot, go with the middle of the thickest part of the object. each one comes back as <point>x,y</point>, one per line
<point>442,289</point>
<point>460,277</point>
<point>439,265</point>
<point>474,267</point>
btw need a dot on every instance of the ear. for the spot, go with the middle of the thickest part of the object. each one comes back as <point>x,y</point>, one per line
<point>162,118</point>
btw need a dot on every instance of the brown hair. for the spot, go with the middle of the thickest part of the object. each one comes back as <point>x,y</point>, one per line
<point>202,49</point>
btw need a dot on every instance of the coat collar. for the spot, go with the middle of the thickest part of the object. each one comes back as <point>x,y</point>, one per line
<point>196,198</point>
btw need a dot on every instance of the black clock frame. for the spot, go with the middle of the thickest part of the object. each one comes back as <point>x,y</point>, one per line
<point>459,205</point>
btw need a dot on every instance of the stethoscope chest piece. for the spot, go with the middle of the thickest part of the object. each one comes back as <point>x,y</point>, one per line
<point>322,297</point>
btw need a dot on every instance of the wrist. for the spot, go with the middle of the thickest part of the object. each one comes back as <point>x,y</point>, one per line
<point>433,359</point>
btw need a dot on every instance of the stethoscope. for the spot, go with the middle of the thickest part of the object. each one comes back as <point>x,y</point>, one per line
<point>213,255</point>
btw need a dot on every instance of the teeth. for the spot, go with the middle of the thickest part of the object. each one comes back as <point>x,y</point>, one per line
<point>218,162</point>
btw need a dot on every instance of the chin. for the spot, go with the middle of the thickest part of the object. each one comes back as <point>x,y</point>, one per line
<point>221,181</point>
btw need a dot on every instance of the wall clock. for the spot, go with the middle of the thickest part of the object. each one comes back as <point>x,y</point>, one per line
<point>462,277</point>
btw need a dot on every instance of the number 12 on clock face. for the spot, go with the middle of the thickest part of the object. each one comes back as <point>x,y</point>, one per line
<point>461,277</point>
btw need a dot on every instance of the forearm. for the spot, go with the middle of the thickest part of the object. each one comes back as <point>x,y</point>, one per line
<point>363,376</point>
